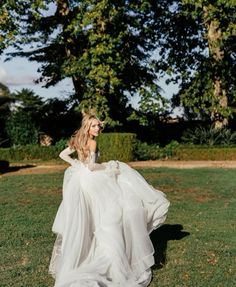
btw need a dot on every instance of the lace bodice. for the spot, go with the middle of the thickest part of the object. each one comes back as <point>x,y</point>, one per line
<point>92,157</point>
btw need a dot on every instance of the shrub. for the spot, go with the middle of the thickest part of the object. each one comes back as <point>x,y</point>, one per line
<point>209,136</point>
<point>144,151</point>
<point>21,130</point>
<point>61,144</point>
<point>205,153</point>
<point>118,146</point>
<point>169,150</point>
<point>29,152</point>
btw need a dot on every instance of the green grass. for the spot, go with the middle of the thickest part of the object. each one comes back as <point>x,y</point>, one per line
<point>196,246</point>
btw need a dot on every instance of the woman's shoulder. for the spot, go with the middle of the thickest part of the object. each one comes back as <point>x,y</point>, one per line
<point>92,145</point>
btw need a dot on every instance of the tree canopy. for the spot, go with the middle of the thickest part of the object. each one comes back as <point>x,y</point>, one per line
<point>104,46</point>
<point>107,48</point>
<point>197,48</point>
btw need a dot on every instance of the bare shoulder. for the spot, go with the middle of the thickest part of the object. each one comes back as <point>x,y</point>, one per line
<point>92,145</point>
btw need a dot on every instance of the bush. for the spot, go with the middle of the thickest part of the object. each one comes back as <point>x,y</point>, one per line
<point>205,153</point>
<point>61,144</point>
<point>169,150</point>
<point>21,130</point>
<point>118,146</point>
<point>209,136</point>
<point>123,147</point>
<point>29,152</point>
<point>144,151</point>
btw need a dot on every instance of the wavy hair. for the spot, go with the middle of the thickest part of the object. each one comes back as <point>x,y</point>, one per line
<point>79,139</point>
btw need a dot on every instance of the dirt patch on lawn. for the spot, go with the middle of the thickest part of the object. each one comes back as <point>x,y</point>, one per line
<point>185,164</point>
<point>40,169</point>
<point>33,169</point>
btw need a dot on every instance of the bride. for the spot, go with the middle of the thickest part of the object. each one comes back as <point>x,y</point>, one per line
<point>104,220</point>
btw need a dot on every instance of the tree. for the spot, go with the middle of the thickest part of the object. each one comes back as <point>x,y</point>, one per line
<point>4,96</point>
<point>103,45</point>
<point>24,120</point>
<point>197,44</point>
<point>59,118</point>
<point>5,100</point>
<point>21,129</point>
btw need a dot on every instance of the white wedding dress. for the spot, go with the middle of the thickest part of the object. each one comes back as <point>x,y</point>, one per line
<point>103,225</point>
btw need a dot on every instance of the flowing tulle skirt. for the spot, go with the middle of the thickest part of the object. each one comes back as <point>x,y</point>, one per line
<point>103,226</point>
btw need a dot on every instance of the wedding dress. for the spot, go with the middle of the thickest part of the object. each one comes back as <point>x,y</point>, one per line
<point>103,224</point>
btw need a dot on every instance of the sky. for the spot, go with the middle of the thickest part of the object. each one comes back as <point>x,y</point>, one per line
<point>19,73</point>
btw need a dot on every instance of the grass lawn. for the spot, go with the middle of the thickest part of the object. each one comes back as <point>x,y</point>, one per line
<point>196,247</point>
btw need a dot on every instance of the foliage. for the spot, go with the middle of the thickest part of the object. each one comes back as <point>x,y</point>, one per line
<point>197,50</point>
<point>209,136</point>
<point>54,117</point>
<point>4,96</point>
<point>58,118</point>
<point>61,144</point>
<point>176,151</point>
<point>22,123</point>
<point>204,153</point>
<point>152,106</point>
<point>170,149</point>
<point>21,129</point>
<point>27,100</point>
<point>5,100</point>
<point>207,196</point>
<point>103,46</point>
<point>144,151</point>
<point>113,146</point>
<point>29,153</point>
<point>116,146</point>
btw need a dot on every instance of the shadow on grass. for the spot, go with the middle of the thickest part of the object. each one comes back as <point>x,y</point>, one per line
<point>160,238</point>
<point>4,167</point>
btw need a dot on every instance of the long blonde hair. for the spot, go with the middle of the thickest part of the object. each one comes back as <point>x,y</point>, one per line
<point>79,139</point>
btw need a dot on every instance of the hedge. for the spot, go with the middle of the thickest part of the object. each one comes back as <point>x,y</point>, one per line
<point>117,146</point>
<point>123,147</point>
<point>29,152</point>
<point>204,153</point>
<point>175,151</point>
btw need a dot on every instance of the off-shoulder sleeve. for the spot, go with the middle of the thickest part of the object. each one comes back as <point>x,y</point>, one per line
<point>65,155</point>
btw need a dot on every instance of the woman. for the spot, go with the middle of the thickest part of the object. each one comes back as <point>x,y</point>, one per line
<point>104,220</point>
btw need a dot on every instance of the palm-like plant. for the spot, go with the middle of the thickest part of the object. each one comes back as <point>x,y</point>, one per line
<point>209,136</point>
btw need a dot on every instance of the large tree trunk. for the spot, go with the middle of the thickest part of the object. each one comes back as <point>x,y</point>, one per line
<point>214,37</point>
<point>71,47</point>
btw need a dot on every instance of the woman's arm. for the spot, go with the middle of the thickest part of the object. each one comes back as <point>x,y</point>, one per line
<point>92,165</point>
<point>111,168</point>
<point>65,155</point>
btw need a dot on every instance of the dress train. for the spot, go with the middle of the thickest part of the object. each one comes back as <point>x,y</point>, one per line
<point>103,225</point>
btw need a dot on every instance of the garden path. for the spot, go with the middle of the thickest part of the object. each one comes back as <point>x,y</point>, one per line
<point>20,169</point>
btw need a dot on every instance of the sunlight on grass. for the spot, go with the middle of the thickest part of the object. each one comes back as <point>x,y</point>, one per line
<point>196,246</point>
